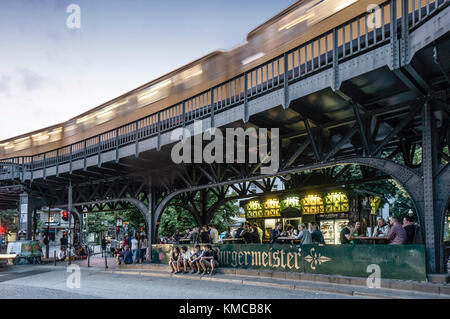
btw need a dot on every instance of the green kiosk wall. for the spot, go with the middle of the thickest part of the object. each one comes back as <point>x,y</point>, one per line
<point>405,262</point>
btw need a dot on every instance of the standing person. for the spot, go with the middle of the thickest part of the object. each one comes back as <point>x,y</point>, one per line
<point>381,229</point>
<point>103,244</point>
<point>125,241</point>
<point>195,235</point>
<point>310,227</point>
<point>410,229</point>
<point>275,233</point>
<point>214,234</point>
<point>316,235</point>
<point>304,235</point>
<point>143,244</point>
<point>114,245</point>
<point>64,242</point>
<point>397,234</point>
<point>134,249</point>
<point>205,236</point>
<point>260,232</point>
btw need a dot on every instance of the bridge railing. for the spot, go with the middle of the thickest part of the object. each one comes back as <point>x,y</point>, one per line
<point>351,38</point>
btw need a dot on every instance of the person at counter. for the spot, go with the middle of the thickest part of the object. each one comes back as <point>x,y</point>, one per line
<point>397,234</point>
<point>275,233</point>
<point>382,228</point>
<point>303,235</point>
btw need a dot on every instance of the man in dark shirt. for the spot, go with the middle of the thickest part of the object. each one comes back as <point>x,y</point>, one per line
<point>205,236</point>
<point>238,231</point>
<point>209,260</point>
<point>275,233</point>
<point>410,229</point>
<point>316,235</point>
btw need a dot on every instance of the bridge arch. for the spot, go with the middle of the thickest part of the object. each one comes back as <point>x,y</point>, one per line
<point>410,179</point>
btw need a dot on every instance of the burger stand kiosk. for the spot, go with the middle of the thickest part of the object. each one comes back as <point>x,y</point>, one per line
<point>331,209</point>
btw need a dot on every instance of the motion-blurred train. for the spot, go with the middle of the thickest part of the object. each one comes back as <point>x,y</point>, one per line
<point>294,26</point>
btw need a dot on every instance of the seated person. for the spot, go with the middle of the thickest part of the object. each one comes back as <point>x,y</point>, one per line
<point>174,259</point>
<point>126,256</point>
<point>194,262</point>
<point>209,262</point>
<point>304,235</point>
<point>254,235</point>
<point>275,233</point>
<point>185,258</point>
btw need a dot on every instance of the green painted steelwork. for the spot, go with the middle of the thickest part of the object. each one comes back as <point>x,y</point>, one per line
<point>405,262</point>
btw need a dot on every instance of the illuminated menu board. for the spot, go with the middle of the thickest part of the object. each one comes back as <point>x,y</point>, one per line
<point>291,201</point>
<point>269,208</point>
<point>312,204</point>
<point>336,203</point>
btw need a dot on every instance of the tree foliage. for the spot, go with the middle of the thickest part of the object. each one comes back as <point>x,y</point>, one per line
<point>176,218</point>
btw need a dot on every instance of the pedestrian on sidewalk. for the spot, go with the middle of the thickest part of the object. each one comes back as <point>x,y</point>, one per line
<point>104,243</point>
<point>143,243</point>
<point>134,249</point>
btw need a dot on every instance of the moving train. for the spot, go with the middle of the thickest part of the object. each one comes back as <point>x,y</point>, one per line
<point>299,23</point>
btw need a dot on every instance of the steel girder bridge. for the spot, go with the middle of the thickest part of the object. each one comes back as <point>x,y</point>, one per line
<point>372,100</point>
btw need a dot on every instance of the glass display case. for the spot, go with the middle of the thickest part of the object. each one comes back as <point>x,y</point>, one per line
<point>331,230</point>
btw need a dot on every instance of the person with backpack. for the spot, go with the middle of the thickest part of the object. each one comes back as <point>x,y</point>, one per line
<point>210,261</point>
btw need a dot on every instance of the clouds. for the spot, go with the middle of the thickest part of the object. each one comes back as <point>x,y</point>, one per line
<point>20,81</point>
<point>29,80</point>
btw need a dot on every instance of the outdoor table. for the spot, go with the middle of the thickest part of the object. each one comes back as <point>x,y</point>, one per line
<point>232,240</point>
<point>372,240</point>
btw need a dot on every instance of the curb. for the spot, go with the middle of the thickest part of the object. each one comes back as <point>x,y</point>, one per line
<point>415,287</point>
<point>280,285</point>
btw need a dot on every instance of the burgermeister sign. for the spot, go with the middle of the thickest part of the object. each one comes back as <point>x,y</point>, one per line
<point>405,262</point>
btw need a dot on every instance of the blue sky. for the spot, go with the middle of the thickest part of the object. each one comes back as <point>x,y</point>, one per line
<point>50,73</point>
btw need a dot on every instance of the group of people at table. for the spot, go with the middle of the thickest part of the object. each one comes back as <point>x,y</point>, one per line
<point>393,233</point>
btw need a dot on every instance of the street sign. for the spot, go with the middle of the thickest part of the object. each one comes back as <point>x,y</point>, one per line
<point>119,223</point>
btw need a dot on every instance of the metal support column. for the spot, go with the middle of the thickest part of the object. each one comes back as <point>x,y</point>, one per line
<point>429,157</point>
<point>25,216</point>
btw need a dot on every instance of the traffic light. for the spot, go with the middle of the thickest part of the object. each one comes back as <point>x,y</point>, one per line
<point>2,230</point>
<point>142,229</point>
<point>65,215</point>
